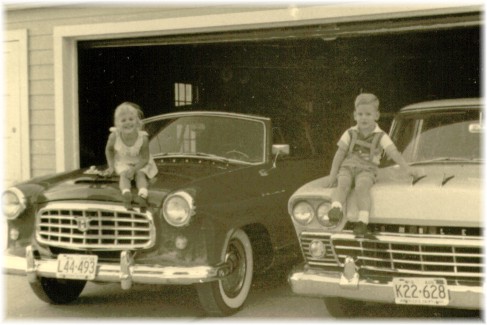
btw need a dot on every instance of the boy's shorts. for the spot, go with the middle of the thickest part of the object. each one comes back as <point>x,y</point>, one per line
<point>353,174</point>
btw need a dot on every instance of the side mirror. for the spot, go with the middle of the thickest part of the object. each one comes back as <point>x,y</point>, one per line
<point>280,149</point>
<point>474,128</point>
<point>277,150</point>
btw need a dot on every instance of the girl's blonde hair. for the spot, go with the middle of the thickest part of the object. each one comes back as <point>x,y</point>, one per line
<point>129,107</point>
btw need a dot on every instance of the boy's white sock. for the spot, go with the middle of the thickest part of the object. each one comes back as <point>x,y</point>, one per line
<point>336,204</point>
<point>143,192</point>
<point>363,216</point>
<point>125,191</point>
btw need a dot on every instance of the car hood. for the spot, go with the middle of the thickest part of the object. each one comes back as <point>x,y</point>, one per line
<point>449,194</point>
<point>82,186</point>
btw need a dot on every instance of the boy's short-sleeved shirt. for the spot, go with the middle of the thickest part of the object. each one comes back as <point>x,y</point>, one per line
<point>384,143</point>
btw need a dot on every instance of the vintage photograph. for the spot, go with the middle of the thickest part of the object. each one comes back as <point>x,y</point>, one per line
<point>274,161</point>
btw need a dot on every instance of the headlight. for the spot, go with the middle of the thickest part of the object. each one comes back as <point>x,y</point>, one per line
<point>303,212</point>
<point>323,215</point>
<point>13,203</point>
<point>178,209</point>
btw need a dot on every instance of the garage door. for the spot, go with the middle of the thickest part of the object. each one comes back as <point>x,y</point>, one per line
<point>304,77</point>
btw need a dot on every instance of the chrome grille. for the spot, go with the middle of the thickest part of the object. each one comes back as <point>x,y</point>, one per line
<point>94,226</point>
<point>430,255</point>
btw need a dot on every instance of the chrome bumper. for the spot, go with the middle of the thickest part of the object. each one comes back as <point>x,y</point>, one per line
<point>334,284</point>
<point>127,272</point>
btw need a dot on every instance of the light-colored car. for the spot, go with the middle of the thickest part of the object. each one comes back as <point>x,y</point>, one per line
<point>426,246</point>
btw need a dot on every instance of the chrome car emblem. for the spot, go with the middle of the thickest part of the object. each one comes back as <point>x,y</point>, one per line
<point>83,224</point>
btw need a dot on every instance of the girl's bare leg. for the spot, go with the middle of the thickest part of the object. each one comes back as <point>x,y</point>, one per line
<point>125,185</point>
<point>141,181</point>
<point>142,184</point>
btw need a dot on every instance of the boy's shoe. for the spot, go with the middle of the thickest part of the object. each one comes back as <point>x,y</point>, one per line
<point>360,229</point>
<point>127,200</point>
<point>335,214</point>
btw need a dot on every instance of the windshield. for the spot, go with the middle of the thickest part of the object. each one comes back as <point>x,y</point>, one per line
<point>211,137</point>
<point>438,136</point>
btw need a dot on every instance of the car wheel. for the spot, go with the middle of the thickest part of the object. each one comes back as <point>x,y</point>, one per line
<point>344,308</point>
<point>226,296</point>
<point>58,291</point>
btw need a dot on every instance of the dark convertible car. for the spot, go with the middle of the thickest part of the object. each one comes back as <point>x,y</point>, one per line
<point>217,213</point>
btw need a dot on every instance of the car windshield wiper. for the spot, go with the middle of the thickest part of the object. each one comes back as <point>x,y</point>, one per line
<point>210,155</point>
<point>446,159</point>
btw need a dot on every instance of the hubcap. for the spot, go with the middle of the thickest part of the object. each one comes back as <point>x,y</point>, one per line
<point>233,283</point>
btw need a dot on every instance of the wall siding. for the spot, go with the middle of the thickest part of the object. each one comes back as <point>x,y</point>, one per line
<point>41,102</point>
<point>42,147</point>
<point>42,132</point>
<point>41,72</point>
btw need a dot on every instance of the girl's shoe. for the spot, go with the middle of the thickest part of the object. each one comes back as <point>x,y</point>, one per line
<point>142,199</point>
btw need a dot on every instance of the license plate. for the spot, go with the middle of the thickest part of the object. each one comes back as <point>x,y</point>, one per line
<point>421,291</point>
<point>82,267</point>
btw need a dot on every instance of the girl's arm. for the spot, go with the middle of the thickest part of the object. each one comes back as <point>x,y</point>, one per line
<point>110,153</point>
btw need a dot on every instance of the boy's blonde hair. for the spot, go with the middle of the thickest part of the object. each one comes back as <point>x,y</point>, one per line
<point>368,99</point>
<point>128,107</point>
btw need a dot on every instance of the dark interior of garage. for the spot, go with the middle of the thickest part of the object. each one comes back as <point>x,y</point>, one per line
<point>307,85</point>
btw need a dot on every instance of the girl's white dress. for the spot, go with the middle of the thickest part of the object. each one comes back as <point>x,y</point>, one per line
<point>126,157</point>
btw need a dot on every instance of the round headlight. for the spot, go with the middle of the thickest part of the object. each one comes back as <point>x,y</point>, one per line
<point>317,248</point>
<point>13,203</point>
<point>303,212</point>
<point>178,209</point>
<point>323,218</point>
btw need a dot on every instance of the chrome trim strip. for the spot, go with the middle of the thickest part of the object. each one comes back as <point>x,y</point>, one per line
<point>439,240</point>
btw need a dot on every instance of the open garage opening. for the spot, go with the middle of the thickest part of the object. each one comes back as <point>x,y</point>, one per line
<point>306,84</point>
